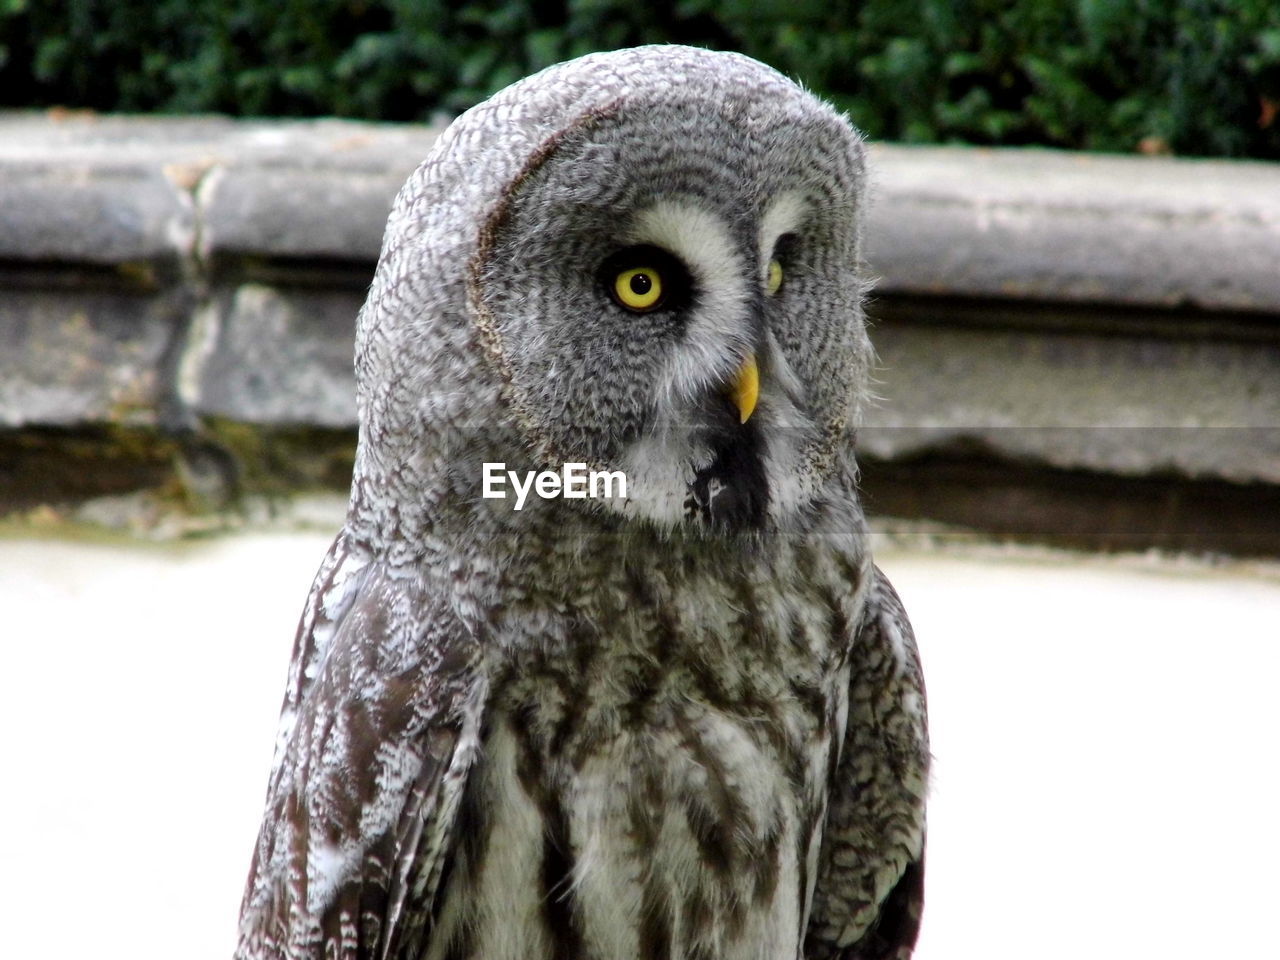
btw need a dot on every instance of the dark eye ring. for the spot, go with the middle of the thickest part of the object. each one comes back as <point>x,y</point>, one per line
<point>645,278</point>
<point>776,272</point>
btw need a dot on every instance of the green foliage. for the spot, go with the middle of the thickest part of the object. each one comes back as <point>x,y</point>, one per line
<point>1191,76</point>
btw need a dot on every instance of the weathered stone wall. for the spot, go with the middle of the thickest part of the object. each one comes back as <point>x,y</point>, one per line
<point>1074,348</point>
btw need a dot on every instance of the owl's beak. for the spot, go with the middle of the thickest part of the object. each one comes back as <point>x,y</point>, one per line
<point>745,389</point>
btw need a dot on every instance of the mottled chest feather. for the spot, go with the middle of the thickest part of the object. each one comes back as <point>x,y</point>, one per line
<point>653,779</point>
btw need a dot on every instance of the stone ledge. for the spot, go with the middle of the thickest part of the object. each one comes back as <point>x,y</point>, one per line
<point>1091,228</point>
<point>1061,315</point>
<point>953,221</point>
<point>1097,396</point>
<point>301,189</point>
<point>136,242</point>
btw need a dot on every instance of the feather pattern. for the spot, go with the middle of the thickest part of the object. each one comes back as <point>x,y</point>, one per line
<point>378,738</point>
<point>870,891</point>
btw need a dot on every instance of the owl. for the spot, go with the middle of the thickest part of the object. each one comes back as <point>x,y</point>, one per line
<point>687,722</point>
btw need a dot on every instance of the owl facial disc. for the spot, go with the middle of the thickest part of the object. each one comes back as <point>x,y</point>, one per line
<point>670,286</point>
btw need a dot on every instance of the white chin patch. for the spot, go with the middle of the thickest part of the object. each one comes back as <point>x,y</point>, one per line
<point>658,478</point>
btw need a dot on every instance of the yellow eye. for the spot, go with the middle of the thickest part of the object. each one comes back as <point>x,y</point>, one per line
<point>639,288</point>
<point>774,281</point>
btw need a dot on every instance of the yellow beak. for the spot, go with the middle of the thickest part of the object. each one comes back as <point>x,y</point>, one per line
<point>745,389</point>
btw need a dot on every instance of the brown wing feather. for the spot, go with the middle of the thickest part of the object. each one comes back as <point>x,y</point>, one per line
<point>870,889</point>
<point>893,934</point>
<point>377,736</point>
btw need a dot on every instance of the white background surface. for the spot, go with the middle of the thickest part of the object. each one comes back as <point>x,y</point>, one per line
<point>1107,777</point>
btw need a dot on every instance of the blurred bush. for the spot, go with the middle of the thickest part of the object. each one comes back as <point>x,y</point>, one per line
<point>1188,76</point>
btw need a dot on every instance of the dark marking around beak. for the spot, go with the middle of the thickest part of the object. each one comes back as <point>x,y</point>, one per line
<point>733,490</point>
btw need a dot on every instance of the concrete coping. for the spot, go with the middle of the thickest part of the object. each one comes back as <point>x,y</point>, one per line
<point>1058,226</point>
<point>103,190</point>
<point>82,188</point>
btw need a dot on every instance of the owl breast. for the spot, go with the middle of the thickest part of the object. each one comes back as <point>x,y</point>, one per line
<point>652,780</point>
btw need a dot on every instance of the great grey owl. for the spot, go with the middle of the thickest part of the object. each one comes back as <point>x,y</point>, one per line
<point>684,723</point>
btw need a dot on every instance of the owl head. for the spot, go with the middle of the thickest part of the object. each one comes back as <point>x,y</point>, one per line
<point>646,261</point>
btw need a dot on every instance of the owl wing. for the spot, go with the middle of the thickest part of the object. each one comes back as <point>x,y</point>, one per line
<point>869,891</point>
<point>377,735</point>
